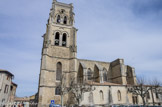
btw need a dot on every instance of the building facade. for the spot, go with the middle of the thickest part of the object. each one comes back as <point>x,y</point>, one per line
<point>12,93</point>
<point>22,102</point>
<point>59,57</point>
<point>7,88</point>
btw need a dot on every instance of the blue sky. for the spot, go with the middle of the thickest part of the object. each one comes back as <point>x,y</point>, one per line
<point>108,29</point>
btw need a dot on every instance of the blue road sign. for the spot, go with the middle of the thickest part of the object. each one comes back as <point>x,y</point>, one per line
<point>52,101</point>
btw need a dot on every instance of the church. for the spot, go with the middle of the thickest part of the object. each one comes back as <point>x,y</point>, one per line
<point>59,57</point>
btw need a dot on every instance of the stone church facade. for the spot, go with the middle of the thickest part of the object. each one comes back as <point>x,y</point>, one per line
<point>59,56</point>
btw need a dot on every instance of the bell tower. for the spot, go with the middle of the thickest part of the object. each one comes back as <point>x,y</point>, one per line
<point>58,53</point>
<point>61,34</point>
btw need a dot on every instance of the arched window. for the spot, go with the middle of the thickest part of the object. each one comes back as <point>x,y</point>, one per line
<point>57,36</point>
<point>89,74</point>
<point>101,95</point>
<point>157,96</point>
<point>135,99</point>
<point>64,40</point>
<point>59,71</point>
<point>119,95</point>
<point>57,91</point>
<point>131,74</point>
<point>82,96</point>
<point>148,95</point>
<point>65,20</point>
<point>58,19</point>
<point>90,97</point>
<point>104,75</point>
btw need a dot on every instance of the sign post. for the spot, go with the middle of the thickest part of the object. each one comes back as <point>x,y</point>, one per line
<point>52,103</point>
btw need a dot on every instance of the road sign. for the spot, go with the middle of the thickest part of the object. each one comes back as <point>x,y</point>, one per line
<point>52,101</point>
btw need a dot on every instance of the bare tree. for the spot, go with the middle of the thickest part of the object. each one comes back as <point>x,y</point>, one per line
<point>144,86</point>
<point>155,88</point>
<point>76,89</point>
<point>63,89</point>
<point>141,89</point>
